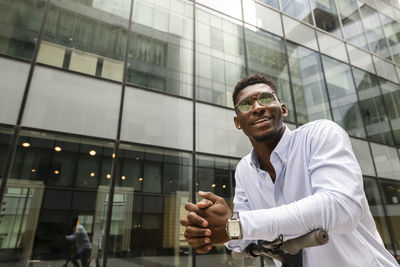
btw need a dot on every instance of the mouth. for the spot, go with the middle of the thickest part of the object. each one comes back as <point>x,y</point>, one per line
<point>261,120</point>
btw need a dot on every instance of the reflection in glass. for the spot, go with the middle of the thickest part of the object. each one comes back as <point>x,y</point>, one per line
<point>161,47</point>
<point>363,155</point>
<point>308,84</point>
<point>360,58</point>
<point>87,37</point>
<point>267,56</point>
<point>262,17</point>
<point>372,107</point>
<point>342,94</point>
<point>300,33</point>
<point>326,16</point>
<point>375,202</point>
<point>219,57</point>
<point>5,142</point>
<point>159,182</point>
<point>216,174</point>
<point>273,3</point>
<point>20,22</point>
<point>332,46</point>
<point>54,179</point>
<point>299,9</point>
<point>391,97</point>
<point>385,69</point>
<point>229,7</point>
<point>352,27</point>
<point>386,160</point>
<point>392,32</point>
<point>391,194</point>
<point>376,37</point>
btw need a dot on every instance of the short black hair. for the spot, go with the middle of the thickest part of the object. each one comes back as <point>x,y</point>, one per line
<point>250,80</point>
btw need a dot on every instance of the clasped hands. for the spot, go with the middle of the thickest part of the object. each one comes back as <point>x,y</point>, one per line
<point>206,221</point>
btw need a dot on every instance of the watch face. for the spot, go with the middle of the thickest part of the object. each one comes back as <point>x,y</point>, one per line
<point>234,229</point>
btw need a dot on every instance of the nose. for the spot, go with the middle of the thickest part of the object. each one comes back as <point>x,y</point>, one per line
<point>257,108</point>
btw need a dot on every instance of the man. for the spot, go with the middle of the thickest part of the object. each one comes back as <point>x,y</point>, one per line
<point>291,183</point>
<point>83,247</point>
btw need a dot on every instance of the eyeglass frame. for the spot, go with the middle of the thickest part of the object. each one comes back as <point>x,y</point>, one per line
<point>254,99</point>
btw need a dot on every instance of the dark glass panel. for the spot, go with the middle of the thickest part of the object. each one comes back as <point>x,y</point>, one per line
<point>352,26</point>
<point>372,107</point>
<point>326,16</point>
<point>308,84</point>
<point>343,97</point>
<point>20,23</point>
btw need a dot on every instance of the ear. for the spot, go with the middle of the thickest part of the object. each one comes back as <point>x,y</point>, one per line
<point>285,111</point>
<point>237,123</point>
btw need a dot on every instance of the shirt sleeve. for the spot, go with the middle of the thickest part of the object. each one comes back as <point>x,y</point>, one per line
<point>335,204</point>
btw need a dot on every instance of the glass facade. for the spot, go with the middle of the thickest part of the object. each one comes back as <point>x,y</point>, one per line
<point>116,112</point>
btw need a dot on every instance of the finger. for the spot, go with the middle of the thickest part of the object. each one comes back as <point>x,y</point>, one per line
<point>191,207</point>
<point>210,196</point>
<point>193,232</point>
<point>196,220</point>
<point>204,203</point>
<point>184,221</point>
<point>204,249</point>
<point>199,242</point>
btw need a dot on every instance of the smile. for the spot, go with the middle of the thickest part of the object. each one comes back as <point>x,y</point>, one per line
<point>261,120</point>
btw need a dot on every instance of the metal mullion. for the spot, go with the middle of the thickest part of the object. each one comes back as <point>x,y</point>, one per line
<point>114,165</point>
<point>246,58</point>
<point>194,165</point>
<point>14,143</point>
<point>289,71</point>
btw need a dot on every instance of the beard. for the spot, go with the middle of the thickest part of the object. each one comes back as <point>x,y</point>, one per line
<point>267,137</point>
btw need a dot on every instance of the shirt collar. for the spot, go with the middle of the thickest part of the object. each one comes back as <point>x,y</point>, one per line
<point>281,149</point>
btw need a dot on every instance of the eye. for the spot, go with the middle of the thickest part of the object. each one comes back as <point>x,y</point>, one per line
<point>265,98</point>
<point>245,105</point>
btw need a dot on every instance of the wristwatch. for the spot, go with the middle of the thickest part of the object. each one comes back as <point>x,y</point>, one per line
<point>233,227</point>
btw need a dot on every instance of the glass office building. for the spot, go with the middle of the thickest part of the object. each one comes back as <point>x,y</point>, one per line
<point>116,112</point>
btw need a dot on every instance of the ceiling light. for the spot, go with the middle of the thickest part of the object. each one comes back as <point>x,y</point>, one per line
<point>123,177</point>
<point>108,176</point>
<point>56,172</point>
<point>26,144</point>
<point>92,152</point>
<point>140,179</point>
<point>213,185</point>
<point>57,148</point>
<point>92,174</point>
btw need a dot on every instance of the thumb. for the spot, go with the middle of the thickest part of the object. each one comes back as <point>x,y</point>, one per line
<point>210,196</point>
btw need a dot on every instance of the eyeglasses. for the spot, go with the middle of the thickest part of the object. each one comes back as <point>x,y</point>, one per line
<point>247,104</point>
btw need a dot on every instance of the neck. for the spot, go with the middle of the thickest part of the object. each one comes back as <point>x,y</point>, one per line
<point>264,150</point>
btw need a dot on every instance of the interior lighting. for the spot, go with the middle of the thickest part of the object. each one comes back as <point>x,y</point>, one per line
<point>56,172</point>
<point>26,144</point>
<point>123,177</point>
<point>33,170</point>
<point>141,179</point>
<point>57,148</point>
<point>92,174</point>
<point>213,185</point>
<point>108,176</point>
<point>223,186</point>
<point>92,153</point>
<point>113,155</point>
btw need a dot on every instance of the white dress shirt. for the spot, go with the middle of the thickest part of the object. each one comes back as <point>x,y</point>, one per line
<point>318,186</point>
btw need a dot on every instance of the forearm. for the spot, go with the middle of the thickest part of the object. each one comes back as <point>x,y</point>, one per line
<point>330,211</point>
